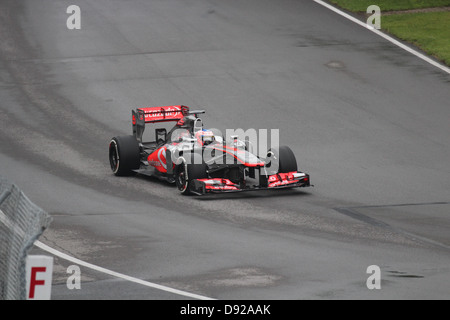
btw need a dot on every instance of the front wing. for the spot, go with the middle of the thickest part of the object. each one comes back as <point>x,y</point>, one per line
<point>276,181</point>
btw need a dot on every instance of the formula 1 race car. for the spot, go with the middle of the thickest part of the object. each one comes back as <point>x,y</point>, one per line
<point>197,160</point>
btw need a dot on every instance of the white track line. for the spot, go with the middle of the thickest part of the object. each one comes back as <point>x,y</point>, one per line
<point>118,275</point>
<point>385,36</point>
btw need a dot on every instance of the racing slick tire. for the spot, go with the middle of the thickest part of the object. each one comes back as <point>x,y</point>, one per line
<point>284,157</point>
<point>124,155</point>
<point>187,171</point>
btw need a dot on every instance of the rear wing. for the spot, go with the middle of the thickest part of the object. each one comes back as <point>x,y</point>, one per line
<point>162,114</point>
<point>141,116</point>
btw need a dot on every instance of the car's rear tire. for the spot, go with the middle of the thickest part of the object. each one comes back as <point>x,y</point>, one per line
<point>187,171</point>
<point>124,155</point>
<point>281,160</point>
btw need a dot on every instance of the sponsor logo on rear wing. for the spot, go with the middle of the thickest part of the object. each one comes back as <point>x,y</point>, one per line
<point>161,114</point>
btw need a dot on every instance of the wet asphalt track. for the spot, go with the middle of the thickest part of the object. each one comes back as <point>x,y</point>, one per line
<point>367,120</point>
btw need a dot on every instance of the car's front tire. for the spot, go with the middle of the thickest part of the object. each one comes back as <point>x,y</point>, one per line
<point>187,171</point>
<point>281,160</point>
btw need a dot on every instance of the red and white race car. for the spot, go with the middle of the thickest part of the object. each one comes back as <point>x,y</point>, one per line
<point>197,160</point>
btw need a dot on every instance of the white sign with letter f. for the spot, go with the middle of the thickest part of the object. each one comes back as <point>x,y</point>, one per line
<point>39,270</point>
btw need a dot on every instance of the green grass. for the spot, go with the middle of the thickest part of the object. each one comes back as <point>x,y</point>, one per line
<point>389,5</point>
<point>430,31</point>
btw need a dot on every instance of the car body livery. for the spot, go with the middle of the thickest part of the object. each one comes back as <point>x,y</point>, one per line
<point>198,160</point>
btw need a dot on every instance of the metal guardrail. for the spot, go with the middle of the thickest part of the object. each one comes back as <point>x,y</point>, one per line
<point>21,224</point>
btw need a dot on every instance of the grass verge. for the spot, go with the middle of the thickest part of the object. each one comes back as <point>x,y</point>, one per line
<point>429,31</point>
<point>389,5</point>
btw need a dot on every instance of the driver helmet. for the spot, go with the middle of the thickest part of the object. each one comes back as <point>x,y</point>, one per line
<point>205,137</point>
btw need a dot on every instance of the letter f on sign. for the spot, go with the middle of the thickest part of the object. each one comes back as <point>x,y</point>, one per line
<point>34,282</point>
<point>74,21</point>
